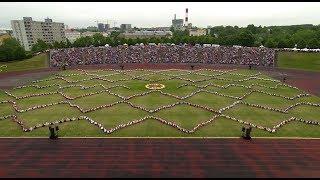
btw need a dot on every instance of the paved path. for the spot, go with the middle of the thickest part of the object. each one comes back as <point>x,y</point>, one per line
<point>305,80</point>
<point>13,79</point>
<point>24,157</point>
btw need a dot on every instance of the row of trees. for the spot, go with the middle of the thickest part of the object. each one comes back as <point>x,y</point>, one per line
<point>10,49</point>
<point>272,36</point>
<point>114,40</point>
<point>304,36</point>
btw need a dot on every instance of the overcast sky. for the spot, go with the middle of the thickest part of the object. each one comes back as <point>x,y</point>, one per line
<point>152,14</point>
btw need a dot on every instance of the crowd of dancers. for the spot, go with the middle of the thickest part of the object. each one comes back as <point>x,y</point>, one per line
<point>162,54</point>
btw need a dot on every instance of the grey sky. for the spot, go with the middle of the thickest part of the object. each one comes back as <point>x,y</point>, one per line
<point>151,14</point>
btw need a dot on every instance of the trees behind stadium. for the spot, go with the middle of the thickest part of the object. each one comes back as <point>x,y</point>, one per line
<point>305,36</point>
<point>273,37</point>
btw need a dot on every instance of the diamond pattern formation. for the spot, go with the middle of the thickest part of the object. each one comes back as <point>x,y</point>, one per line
<point>162,106</point>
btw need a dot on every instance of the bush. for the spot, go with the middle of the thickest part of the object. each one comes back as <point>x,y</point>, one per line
<point>40,46</point>
<point>11,50</point>
<point>29,54</point>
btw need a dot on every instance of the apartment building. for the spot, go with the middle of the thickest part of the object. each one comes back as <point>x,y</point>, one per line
<point>28,32</point>
<point>125,27</point>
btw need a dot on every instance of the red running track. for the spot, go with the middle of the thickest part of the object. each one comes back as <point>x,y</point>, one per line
<point>94,157</point>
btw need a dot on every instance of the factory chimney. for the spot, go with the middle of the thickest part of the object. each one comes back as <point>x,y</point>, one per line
<point>186,19</point>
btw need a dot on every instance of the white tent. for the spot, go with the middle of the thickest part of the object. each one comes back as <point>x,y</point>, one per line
<point>107,45</point>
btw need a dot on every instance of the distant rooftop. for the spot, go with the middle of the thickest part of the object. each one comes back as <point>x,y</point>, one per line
<point>149,33</point>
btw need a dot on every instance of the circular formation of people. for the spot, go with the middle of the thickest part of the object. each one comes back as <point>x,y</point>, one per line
<point>155,86</point>
<point>164,53</point>
<point>2,67</point>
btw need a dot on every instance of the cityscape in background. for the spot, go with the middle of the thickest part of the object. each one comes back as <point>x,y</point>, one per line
<point>151,89</point>
<point>28,31</point>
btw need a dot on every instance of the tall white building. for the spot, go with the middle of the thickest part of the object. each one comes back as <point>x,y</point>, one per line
<point>27,31</point>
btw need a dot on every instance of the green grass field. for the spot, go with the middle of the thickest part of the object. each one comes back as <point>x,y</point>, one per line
<point>112,103</point>
<point>36,62</point>
<point>299,60</point>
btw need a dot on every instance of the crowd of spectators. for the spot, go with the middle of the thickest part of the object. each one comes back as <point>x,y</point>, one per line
<point>162,54</point>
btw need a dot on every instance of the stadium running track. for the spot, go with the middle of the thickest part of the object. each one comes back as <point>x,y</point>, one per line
<point>111,157</point>
<point>142,157</point>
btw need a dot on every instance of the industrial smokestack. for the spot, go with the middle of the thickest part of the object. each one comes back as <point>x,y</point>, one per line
<point>186,19</point>
<point>175,16</point>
